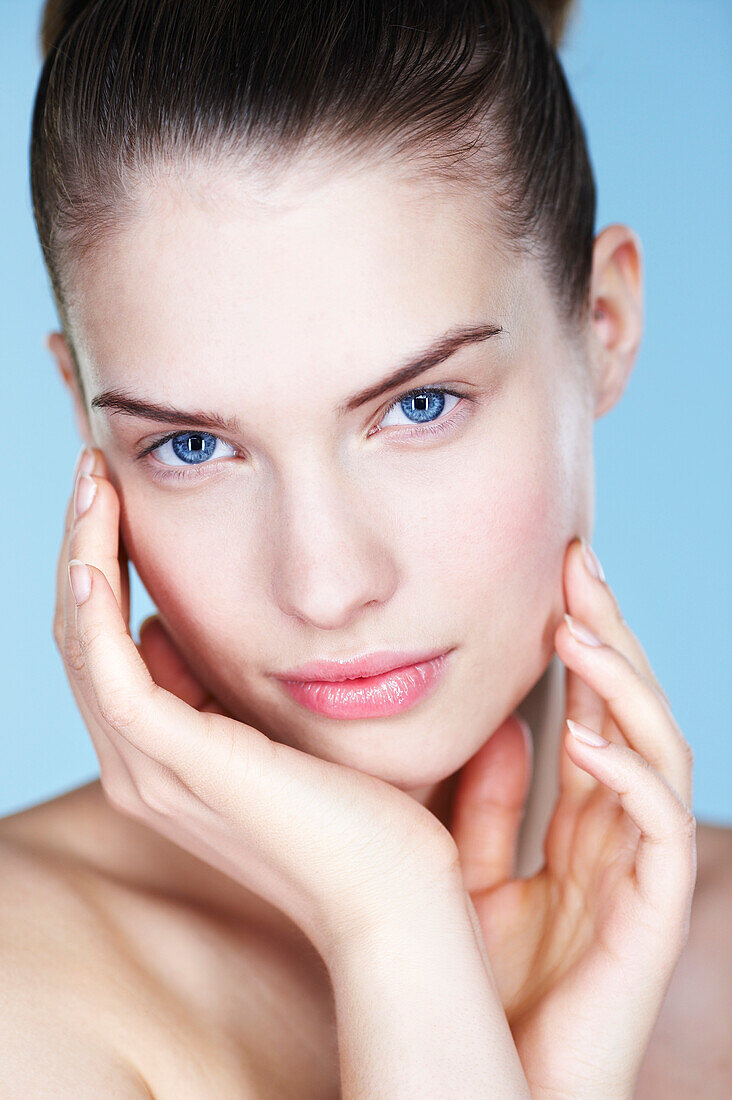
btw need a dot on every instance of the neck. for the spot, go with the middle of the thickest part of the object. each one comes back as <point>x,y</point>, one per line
<point>543,709</point>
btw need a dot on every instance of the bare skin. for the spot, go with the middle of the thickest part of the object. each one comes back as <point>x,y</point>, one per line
<point>188,985</point>
<point>135,964</point>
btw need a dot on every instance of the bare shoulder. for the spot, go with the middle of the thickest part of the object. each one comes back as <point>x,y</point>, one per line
<point>689,1055</point>
<point>48,1033</point>
<point>108,988</point>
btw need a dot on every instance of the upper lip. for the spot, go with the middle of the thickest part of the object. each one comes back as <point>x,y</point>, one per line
<point>370,664</point>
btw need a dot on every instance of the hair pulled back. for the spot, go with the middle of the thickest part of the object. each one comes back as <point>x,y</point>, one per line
<point>469,90</point>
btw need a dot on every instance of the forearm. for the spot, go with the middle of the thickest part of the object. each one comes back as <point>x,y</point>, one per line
<point>419,1014</point>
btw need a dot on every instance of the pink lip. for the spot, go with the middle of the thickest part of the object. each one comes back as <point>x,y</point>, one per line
<point>371,696</point>
<point>370,664</point>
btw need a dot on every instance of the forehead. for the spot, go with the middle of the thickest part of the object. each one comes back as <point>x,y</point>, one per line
<point>336,269</point>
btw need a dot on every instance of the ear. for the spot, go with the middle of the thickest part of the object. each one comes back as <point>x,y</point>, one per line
<point>59,349</point>
<point>616,312</point>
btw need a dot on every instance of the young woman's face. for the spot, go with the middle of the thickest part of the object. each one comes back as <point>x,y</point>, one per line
<point>304,532</point>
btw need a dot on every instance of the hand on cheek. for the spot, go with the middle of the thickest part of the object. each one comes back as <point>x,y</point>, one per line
<point>583,951</point>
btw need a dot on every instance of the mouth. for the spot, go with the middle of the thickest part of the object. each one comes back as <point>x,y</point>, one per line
<point>351,668</point>
<point>388,692</point>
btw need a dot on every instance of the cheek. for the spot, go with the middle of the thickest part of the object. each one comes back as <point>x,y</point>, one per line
<point>187,566</point>
<point>498,533</point>
<point>505,520</point>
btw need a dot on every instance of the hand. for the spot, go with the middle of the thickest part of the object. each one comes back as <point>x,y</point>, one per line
<point>583,952</point>
<point>332,847</point>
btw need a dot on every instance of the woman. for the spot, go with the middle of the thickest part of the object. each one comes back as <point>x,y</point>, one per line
<point>337,329</point>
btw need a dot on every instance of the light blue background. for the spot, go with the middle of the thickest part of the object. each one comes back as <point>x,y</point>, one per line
<point>652,81</point>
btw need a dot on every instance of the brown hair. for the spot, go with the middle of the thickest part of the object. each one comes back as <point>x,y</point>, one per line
<point>470,90</point>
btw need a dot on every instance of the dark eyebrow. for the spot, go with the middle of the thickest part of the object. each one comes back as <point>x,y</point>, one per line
<point>119,401</point>
<point>431,356</point>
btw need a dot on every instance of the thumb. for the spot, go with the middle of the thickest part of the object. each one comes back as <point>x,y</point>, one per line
<point>167,666</point>
<point>488,805</point>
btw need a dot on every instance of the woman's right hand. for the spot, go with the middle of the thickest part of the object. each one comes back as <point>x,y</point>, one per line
<point>334,848</point>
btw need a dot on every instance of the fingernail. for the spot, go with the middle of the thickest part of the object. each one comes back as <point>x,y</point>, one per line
<point>86,487</point>
<point>585,734</point>
<point>85,462</point>
<point>592,563</point>
<point>581,632</point>
<point>80,579</point>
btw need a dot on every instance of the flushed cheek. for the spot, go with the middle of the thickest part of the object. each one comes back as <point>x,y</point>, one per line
<point>509,520</point>
<point>195,578</point>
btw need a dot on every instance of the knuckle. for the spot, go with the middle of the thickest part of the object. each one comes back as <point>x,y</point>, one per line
<point>683,832</point>
<point>89,635</point>
<point>116,707</point>
<point>690,857</point>
<point>688,753</point>
<point>123,708</point>
<point>687,824</point>
<point>76,541</point>
<point>624,687</point>
<point>72,652</point>
<point>159,792</point>
<point>663,698</point>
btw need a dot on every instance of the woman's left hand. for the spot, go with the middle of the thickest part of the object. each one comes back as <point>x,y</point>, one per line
<point>583,951</point>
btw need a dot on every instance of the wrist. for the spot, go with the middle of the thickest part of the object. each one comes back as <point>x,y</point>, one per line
<point>427,911</point>
<point>414,997</point>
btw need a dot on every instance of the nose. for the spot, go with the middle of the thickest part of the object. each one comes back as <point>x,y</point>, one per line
<point>330,553</point>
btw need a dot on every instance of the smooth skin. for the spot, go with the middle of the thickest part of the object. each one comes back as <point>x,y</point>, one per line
<point>263,561</point>
<point>617,870</point>
<point>586,947</point>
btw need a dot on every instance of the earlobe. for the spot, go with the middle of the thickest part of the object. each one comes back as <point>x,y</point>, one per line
<point>56,344</point>
<point>617,311</point>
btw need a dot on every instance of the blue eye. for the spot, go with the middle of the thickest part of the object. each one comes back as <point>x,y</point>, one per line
<point>422,406</point>
<point>175,453</point>
<point>190,448</point>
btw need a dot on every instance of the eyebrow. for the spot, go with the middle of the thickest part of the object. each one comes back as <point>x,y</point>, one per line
<point>436,353</point>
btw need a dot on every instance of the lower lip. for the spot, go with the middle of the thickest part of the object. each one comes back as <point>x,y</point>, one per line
<point>369,696</point>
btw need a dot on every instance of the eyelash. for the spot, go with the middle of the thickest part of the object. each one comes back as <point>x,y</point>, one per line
<point>435,428</point>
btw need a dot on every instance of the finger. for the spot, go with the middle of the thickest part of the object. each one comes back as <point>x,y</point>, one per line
<point>585,705</point>
<point>121,685</point>
<point>118,759</point>
<point>104,543</point>
<point>113,769</point>
<point>123,564</point>
<point>88,539</point>
<point>665,863</point>
<point>84,459</point>
<point>151,719</point>
<point>94,534</point>
<point>188,752</point>
<point>167,667</point>
<point>591,600</point>
<point>581,702</point>
<point>123,595</point>
<point>635,705</point>
<point>489,803</point>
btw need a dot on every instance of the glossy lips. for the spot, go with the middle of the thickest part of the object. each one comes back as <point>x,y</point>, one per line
<point>371,664</point>
<point>369,696</point>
